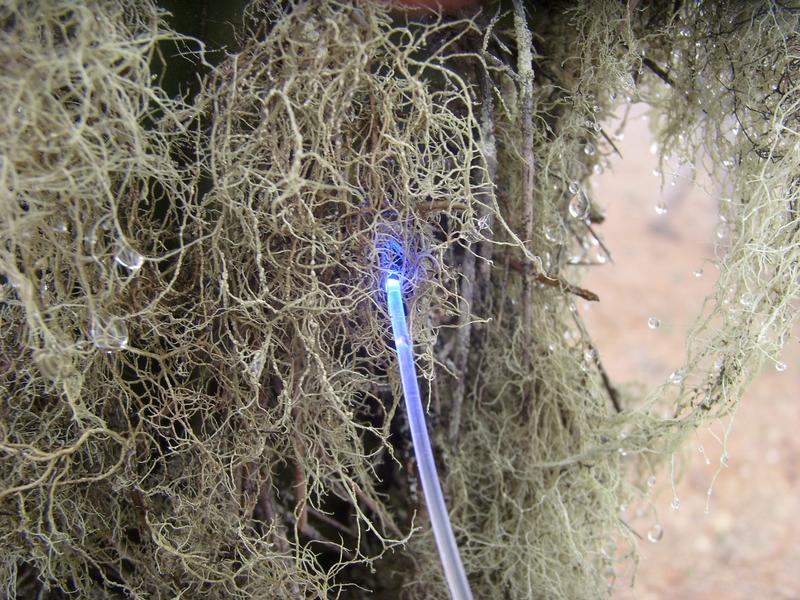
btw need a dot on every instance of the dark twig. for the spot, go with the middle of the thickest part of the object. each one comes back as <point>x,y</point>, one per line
<point>659,72</point>
<point>610,141</point>
<point>555,282</point>
<point>613,393</point>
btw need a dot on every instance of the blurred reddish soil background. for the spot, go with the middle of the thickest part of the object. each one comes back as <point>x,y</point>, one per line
<point>748,545</point>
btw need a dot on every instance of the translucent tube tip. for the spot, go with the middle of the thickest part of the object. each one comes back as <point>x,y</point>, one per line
<point>392,282</point>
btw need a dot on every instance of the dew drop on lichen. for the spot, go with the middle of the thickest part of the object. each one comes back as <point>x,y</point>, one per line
<point>653,323</point>
<point>128,257</point>
<point>589,149</point>
<point>661,208</point>
<point>676,503</point>
<point>553,234</point>
<point>655,534</point>
<point>579,205</point>
<point>573,187</point>
<point>780,367</point>
<point>698,273</point>
<point>108,333</point>
<point>651,481</point>
<point>747,300</point>
<point>676,376</point>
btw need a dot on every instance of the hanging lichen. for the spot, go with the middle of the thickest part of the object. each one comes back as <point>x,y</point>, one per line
<point>199,393</point>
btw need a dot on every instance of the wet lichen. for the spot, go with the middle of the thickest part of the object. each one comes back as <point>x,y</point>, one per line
<point>199,397</point>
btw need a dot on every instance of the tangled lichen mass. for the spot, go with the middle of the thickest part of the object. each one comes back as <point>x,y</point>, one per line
<point>199,394</point>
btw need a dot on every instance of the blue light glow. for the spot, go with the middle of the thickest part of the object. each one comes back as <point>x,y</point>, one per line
<point>440,521</point>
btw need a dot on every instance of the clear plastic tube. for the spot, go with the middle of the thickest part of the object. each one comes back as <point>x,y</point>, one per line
<point>440,520</point>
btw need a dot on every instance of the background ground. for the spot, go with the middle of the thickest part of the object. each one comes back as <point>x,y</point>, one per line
<point>747,546</point>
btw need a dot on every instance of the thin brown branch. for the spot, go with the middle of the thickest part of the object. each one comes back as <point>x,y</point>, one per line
<point>375,509</point>
<point>310,532</point>
<point>555,282</point>
<point>330,521</point>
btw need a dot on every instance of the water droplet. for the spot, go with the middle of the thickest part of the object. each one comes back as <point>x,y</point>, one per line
<point>597,169</point>
<point>653,323</point>
<point>128,257</point>
<point>723,460</point>
<point>722,232</point>
<point>676,503</point>
<point>553,234</point>
<point>622,451</point>
<point>656,172</point>
<point>702,451</point>
<point>108,332</point>
<point>651,481</point>
<point>655,534</point>
<point>747,300</point>
<point>676,376</point>
<point>579,205</point>
<point>601,258</point>
<point>623,507</point>
<point>61,227</point>
<point>596,108</point>
<point>780,367</point>
<point>661,208</point>
<point>588,355</point>
<point>573,187</point>
<point>654,148</point>
<point>589,149</point>
<point>698,273</point>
